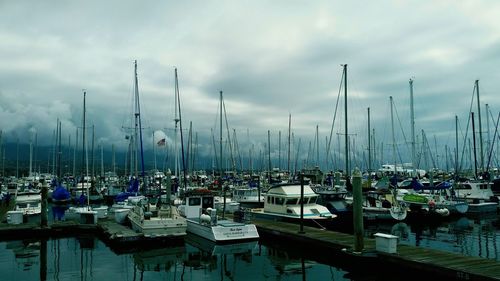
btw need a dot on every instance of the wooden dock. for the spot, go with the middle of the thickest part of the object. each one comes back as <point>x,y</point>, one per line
<point>417,260</point>
<point>325,246</point>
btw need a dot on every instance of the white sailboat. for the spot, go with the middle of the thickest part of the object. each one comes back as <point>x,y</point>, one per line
<point>83,212</point>
<point>144,217</point>
<point>198,206</point>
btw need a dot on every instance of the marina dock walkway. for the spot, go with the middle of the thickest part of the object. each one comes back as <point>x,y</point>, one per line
<point>324,245</point>
<point>407,259</point>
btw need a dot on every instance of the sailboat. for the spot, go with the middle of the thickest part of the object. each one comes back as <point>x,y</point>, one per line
<point>198,206</point>
<point>477,192</point>
<point>144,217</point>
<point>60,195</point>
<point>385,206</point>
<point>84,211</point>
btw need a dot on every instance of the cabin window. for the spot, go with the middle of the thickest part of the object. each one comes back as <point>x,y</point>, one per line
<point>194,201</point>
<point>269,199</point>
<point>208,202</point>
<point>313,199</point>
<point>280,200</point>
<point>463,186</point>
<point>292,201</point>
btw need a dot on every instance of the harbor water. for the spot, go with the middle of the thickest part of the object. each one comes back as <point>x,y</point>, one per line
<point>88,258</point>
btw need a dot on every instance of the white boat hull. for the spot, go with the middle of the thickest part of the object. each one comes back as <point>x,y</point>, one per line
<point>158,226</point>
<point>223,231</point>
<point>484,207</point>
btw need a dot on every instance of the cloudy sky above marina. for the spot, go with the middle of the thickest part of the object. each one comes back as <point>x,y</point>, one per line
<point>270,58</point>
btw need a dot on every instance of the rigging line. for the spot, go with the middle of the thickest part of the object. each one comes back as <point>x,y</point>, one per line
<point>335,113</point>
<point>401,126</point>
<point>399,120</point>
<point>467,129</point>
<point>491,146</point>
<point>233,165</point>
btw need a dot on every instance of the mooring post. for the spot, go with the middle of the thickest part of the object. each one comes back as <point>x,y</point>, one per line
<point>357,211</point>
<point>43,217</point>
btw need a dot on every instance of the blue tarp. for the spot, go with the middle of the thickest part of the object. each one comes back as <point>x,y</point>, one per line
<point>60,193</point>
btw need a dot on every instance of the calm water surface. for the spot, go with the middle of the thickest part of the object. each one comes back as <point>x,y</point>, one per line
<point>88,258</point>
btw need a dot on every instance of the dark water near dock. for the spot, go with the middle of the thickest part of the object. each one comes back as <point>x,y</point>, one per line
<point>477,237</point>
<point>88,258</point>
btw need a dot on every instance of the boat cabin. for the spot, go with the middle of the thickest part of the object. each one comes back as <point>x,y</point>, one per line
<point>286,199</point>
<point>195,201</point>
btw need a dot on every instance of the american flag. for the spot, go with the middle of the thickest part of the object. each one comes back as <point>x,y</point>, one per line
<point>161,142</point>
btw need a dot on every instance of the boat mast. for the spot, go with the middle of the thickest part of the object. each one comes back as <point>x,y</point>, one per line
<point>180,128</point>
<point>84,148</point>
<point>289,141</point>
<point>369,150</point>
<point>221,170</point>
<point>393,137</point>
<point>474,143</point>
<point>347,173</point>
<point>176,120</point>
<point>480,129</point>
<point>456,147</point>
<point>138,126</point>
<point>412,123</point>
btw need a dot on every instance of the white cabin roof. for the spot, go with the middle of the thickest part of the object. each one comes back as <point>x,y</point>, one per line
<point>290,190</point>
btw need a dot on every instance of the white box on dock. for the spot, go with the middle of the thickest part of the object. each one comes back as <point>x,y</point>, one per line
<point>15,217</point>
<point>386,243</point>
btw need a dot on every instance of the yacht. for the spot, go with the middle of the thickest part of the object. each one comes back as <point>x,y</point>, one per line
<point>478,194</point>
<point>198,207</point>
<point>283,203</point>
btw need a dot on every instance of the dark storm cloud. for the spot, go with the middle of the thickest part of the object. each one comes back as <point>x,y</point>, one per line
<point>271,59</point>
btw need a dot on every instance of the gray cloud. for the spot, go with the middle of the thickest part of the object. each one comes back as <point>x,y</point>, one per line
<point>270,59</point>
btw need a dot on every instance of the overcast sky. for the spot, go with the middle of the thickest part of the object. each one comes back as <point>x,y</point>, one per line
<point>270,58</point>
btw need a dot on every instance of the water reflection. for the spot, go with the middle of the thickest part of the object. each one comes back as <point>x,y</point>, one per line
<point>88,258</point>
<point>468,236</point>
<point>26,253</point>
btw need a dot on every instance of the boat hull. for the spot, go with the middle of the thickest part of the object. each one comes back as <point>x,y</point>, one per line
<point>155,227</point>
<point>223,231</point>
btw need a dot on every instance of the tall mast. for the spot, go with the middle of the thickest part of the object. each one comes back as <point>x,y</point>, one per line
<point>456,147</point>
<point>347,173</point>
<point>488,139</point>
<point>269,153</point>
<point>31,155</point>
<point>369,147</point>
<point>220,138</point>
<point>59,150</point>
<point>289,140</point>
<point>138,126</point>
<point>83,144</point>
<point>279,150</point>
<point>180,128</point>
<point>176,120</point>
<point>480,128</point>
<point>317,145</point>
<point>474,143</point>
<point>412,123</point>
<point>393,137</point>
